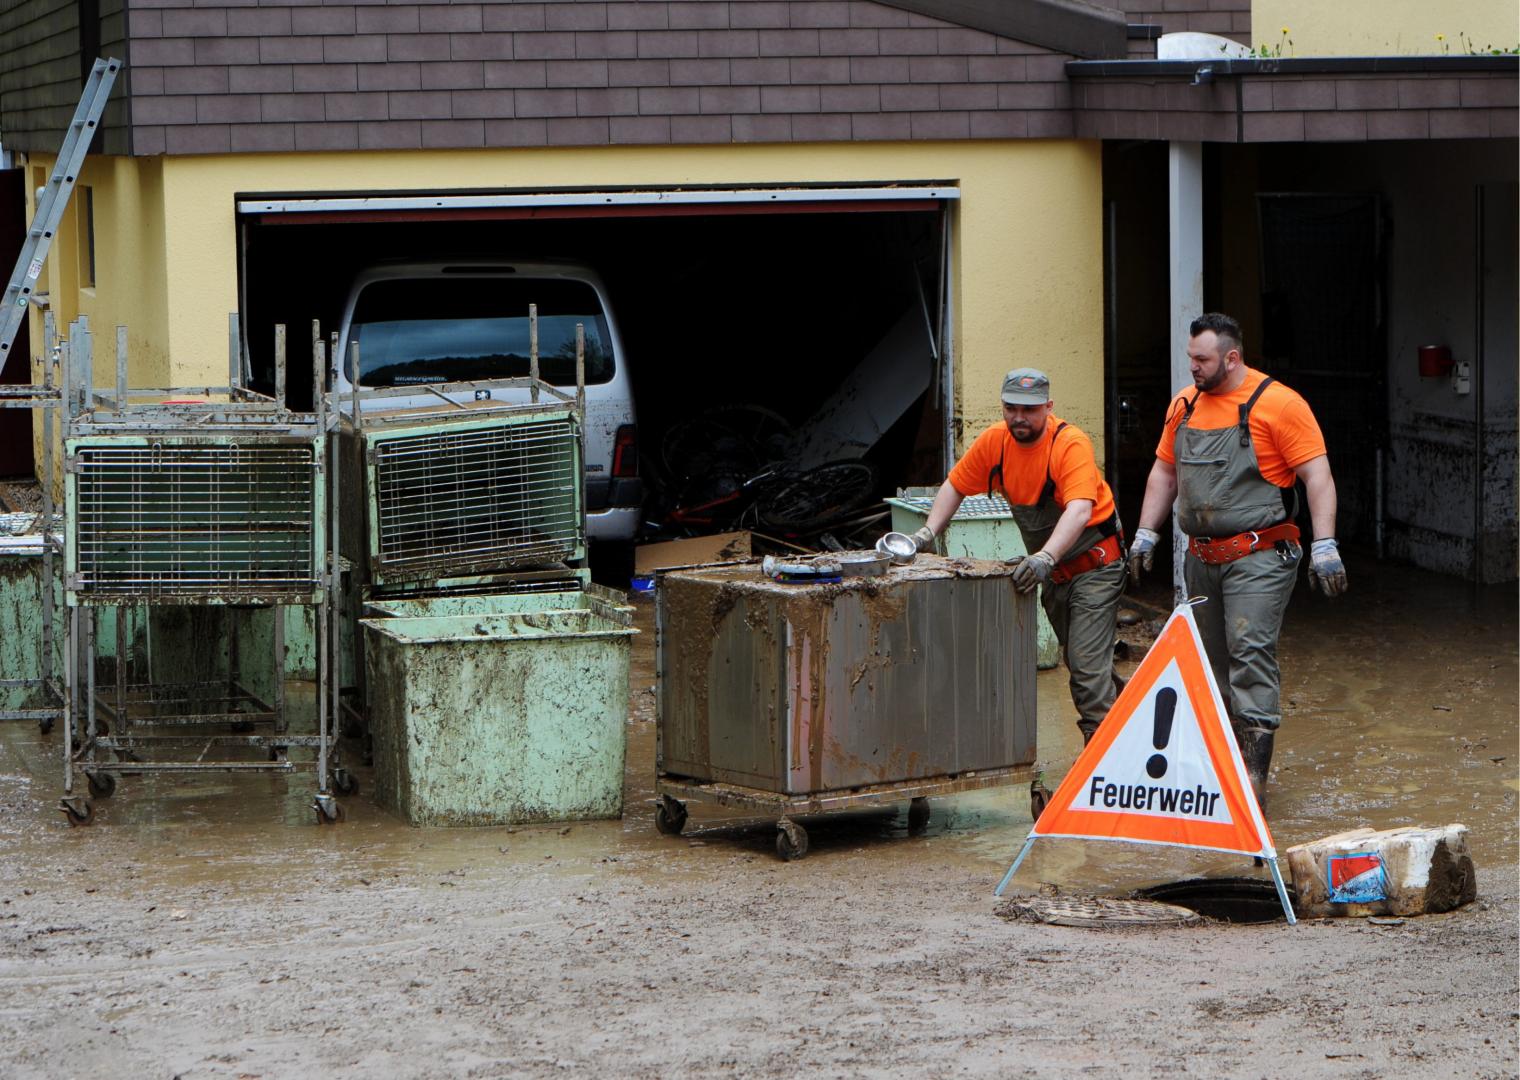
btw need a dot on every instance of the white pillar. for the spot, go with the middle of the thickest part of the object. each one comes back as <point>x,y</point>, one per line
<point>1185,212</point>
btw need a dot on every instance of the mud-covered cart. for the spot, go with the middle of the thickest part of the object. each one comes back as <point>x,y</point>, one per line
<point>793,698</point>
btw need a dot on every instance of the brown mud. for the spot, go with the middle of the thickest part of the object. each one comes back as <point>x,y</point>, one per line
<point>206,927</point>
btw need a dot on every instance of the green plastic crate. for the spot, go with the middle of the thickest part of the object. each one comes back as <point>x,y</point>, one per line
<point>489,718</point>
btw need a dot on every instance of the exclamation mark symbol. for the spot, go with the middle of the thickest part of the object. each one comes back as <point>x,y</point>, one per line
<point>1166,707</point>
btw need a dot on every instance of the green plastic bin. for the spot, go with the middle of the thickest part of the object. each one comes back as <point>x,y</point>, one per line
<point>983,528</point>
<point>491,718</point>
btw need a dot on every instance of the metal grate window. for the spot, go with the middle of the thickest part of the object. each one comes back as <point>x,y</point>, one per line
<point>479,499</point>
<point>196,520</point>
<point>972,506</point>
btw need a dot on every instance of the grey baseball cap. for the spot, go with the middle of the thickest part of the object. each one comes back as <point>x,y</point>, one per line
<point>1026,386</point>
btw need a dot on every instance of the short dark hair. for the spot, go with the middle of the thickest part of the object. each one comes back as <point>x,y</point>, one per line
<point>1226,331</point>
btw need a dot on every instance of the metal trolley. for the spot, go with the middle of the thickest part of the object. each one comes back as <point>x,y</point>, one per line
<point>211,499</point>
<point>787,700</point>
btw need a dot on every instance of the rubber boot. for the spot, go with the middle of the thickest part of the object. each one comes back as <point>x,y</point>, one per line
<point>1256,752</point>
<point>1088,730</point>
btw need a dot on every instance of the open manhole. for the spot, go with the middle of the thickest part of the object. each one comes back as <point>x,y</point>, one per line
<point>1095,911</point>
<point>1235,900</point>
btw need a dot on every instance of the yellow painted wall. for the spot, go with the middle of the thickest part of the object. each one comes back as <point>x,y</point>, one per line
<point>1027,266</point>
<point>1384,27</point>
<point>129,255</point>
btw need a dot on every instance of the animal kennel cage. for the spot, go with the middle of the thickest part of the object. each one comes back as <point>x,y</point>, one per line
<point>188,513</point>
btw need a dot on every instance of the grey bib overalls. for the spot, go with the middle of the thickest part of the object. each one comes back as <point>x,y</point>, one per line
<point>1083,610</point>
<point>1221,492</point>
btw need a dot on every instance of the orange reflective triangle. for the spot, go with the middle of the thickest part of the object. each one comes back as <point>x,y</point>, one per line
<point>1163,767</point>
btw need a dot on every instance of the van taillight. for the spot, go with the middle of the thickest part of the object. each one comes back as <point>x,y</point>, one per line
<point>625,451</point>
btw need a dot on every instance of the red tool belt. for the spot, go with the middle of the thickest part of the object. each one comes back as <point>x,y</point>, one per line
<point>1100,554</point>
<point>1218,550</point>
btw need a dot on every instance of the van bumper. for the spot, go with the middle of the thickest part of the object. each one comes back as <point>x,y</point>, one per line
<point>614,523</point>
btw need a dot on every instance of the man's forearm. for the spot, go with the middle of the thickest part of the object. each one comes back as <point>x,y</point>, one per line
<point>1319,486</point>
<point>946,502</point>
<point>1072,521</point>
<point>1160,492</point>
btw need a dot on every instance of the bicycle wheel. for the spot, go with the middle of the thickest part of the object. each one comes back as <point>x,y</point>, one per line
<point>815,499</point>
<point>744,436</point>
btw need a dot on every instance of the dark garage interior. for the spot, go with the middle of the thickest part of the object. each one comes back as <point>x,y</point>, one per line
<point>747,319</point>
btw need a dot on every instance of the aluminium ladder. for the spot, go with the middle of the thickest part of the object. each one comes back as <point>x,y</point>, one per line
<point>53,199</point>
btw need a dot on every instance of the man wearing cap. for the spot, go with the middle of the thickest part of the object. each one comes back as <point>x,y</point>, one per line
<point>1233,446</point>
<point>1065,512</point>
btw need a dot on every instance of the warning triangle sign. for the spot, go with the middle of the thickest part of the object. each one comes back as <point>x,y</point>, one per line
<point>1163,767</point>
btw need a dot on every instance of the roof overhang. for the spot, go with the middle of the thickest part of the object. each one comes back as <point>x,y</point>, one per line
<point>1068,26</point>
<point>1293,66</point>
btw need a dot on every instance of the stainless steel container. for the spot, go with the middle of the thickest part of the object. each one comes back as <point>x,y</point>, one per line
<point>926,671</point>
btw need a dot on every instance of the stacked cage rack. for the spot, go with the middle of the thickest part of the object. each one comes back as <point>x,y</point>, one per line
<point>214,498</point>
<point>481,490</point>
<point>44,692</point>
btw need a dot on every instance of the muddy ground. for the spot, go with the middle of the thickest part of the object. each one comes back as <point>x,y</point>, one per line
<point>206,927</point>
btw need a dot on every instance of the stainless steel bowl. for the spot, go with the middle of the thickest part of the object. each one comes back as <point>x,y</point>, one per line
<point>864,563</point>
<point>899,546</point>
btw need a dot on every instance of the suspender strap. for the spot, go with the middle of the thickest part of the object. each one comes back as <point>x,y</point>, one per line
<point>1245,411</point>
<point>1049,490</point>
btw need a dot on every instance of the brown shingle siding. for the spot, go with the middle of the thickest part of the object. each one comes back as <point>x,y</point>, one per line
<point>612,44</point>
<point>582,16</point>
<point>576,73</point>
<point>409,69</point>
<point>258,78</point>
<point>709,72</point>
<point>639,130</point>
<point>390,76</point>
<point>1228,18</point>
<point>450,19</point>
<point>1277,107</point>
<point>414,73</point>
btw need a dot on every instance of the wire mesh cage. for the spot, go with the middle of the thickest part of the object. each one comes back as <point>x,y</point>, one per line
<point>475,497</point>
<point>199,517</point>
<point>189,520</point>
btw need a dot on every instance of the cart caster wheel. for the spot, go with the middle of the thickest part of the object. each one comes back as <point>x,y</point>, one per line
<point>1039,798</point>
<point>791,841</point>
<point>102,784</point>
<point>329,810</point>
<point>918,815</point>
<point>45,725</point>
<point>78,811</point>
<point>344,782</point>
<point>669,816</point>
<point>277,753</point>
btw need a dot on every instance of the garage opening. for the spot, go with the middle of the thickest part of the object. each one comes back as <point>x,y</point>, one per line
<point>768,332</point>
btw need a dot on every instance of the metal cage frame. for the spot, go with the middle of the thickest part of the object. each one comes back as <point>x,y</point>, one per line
<point>219,451</point>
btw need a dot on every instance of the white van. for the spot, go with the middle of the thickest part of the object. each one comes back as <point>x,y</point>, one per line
<point>437,322</point>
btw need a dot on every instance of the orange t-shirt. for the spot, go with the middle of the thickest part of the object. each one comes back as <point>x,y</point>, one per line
<point>1070,462</point>
<point>1284,432</point>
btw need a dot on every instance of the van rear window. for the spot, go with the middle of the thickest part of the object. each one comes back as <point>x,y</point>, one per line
<point>458,329</point>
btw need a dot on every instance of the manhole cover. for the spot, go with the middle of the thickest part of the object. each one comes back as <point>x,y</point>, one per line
<point>1096,911</point>
<point>1236,900</point>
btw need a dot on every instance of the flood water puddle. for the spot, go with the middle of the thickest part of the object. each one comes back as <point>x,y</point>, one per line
<point>1400,708</point>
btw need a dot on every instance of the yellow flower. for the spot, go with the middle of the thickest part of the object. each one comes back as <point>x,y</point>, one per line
<point>1440,37</point>
<point>1285,30</point>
